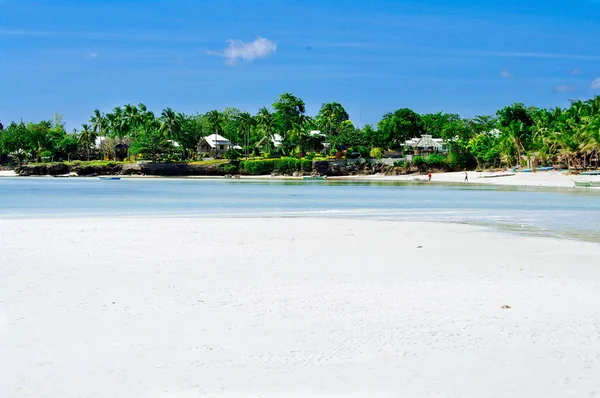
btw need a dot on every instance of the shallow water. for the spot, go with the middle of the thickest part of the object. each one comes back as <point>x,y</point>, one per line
<point>568,212</point>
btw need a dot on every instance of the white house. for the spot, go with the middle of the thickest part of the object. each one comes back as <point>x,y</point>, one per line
<point>215,143</point>
<point>276,141</point>
<point>426,143</point>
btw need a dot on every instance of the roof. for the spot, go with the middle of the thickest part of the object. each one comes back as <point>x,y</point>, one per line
<point>277,139</point>
<point>215,139</point>
<point>98,141</point>
<point>315,133</point>
<point>426,141</point>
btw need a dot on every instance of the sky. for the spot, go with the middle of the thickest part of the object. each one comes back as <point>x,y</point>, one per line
<point>466,57</point>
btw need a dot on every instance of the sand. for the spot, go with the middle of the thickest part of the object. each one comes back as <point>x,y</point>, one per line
<point>539,179</point>
<point>551,179</point>
<point>158,308</point>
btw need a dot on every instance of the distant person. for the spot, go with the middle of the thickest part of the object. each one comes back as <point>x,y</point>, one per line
<point>466,177</point>
<point>429,175</point>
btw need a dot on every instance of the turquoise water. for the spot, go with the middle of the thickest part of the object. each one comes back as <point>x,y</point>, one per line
<point>570,213</point>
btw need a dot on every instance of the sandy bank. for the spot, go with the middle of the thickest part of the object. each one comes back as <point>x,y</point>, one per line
<point>539,179</point>
<point>158,308</point>
<point>7,173</point>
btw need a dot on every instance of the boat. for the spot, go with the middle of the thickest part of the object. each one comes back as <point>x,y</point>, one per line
<point>590,173</point>
<point>61,176</point>
<point>109,178</point>
<point>544,168</point>
<point>587,184</point>
<point>314,177</point>
<point>497,175</point>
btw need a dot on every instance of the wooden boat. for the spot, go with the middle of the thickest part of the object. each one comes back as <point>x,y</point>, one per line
<point>109,178</point>
<point>544,168</point>
<point>497,175</point>
<point>314,177</point>
<point>587,184</point>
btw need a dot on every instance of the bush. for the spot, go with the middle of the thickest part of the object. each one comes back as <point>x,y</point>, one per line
<point>310,156</point>
<point>232,154</point>
<point>363,151</point>
<point>376,153</point>
<point>435,160</point>
<point>258,167</point>
<point>306,165</point>
<point>228,168</point>
<point>455,161</point>
<point>400,163</point>
<point>452,161</point>
<point>46,156</point>
<point>418,161</point>
<point>287,165</point>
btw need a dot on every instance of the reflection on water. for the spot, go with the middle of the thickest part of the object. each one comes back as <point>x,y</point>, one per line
<point>564,212</point>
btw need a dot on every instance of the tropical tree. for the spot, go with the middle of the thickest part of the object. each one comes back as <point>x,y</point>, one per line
<point>151,142</point>
<point>170,123</point>
<point>289,111</point>
<point>215,120</point>
<point>330,118</point>
<point>14,141</point>
<point>245,123</point>
<point>99,123</point>
<point>517,121</point>
<point>267,124</point>
<point>87,138</point>
<point>397,127</point>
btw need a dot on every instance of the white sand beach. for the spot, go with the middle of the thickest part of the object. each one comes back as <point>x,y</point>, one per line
<point>7,173</point>
<point>539,179</point>
<point>165,308</point>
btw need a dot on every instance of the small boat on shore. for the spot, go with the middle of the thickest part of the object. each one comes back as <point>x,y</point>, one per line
<point>587,184</point>
<point>590,173</point>
<point>112,178</point>
<point>544,168</point>
<point>497,175</point>
<point>62,176</point>
<point>314,177</point>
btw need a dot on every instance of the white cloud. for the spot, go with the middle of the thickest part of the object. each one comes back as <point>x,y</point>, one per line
<point>576,71</point>
<point>565,88</point>
<point>259,48</point>
<point>506,73</point>
<point>596,84</point>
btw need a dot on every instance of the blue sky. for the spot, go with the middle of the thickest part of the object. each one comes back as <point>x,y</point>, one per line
<point>467,57</point>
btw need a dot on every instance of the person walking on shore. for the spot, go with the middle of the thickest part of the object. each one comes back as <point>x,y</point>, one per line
<point>466,178</point>
<point>429,175</point>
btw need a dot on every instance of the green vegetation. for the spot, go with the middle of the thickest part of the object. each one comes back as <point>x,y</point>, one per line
<point>277,138</point>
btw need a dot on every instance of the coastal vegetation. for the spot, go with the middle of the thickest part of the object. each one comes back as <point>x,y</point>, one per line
<point>284,137</point>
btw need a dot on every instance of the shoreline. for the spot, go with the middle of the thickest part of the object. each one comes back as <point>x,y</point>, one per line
<point>238,308</point>
<point>545,179</point>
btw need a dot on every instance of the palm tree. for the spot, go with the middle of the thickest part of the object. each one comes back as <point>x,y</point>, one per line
<point>245,122</point>
<point>267,122</point>
<point>170,124</point>
<point>215,119</point>
<point>87,138</point>
<point>131,119</point>
<point>99,123</point>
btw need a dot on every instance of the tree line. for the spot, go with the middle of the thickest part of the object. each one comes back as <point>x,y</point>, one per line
<point>567,136</point>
